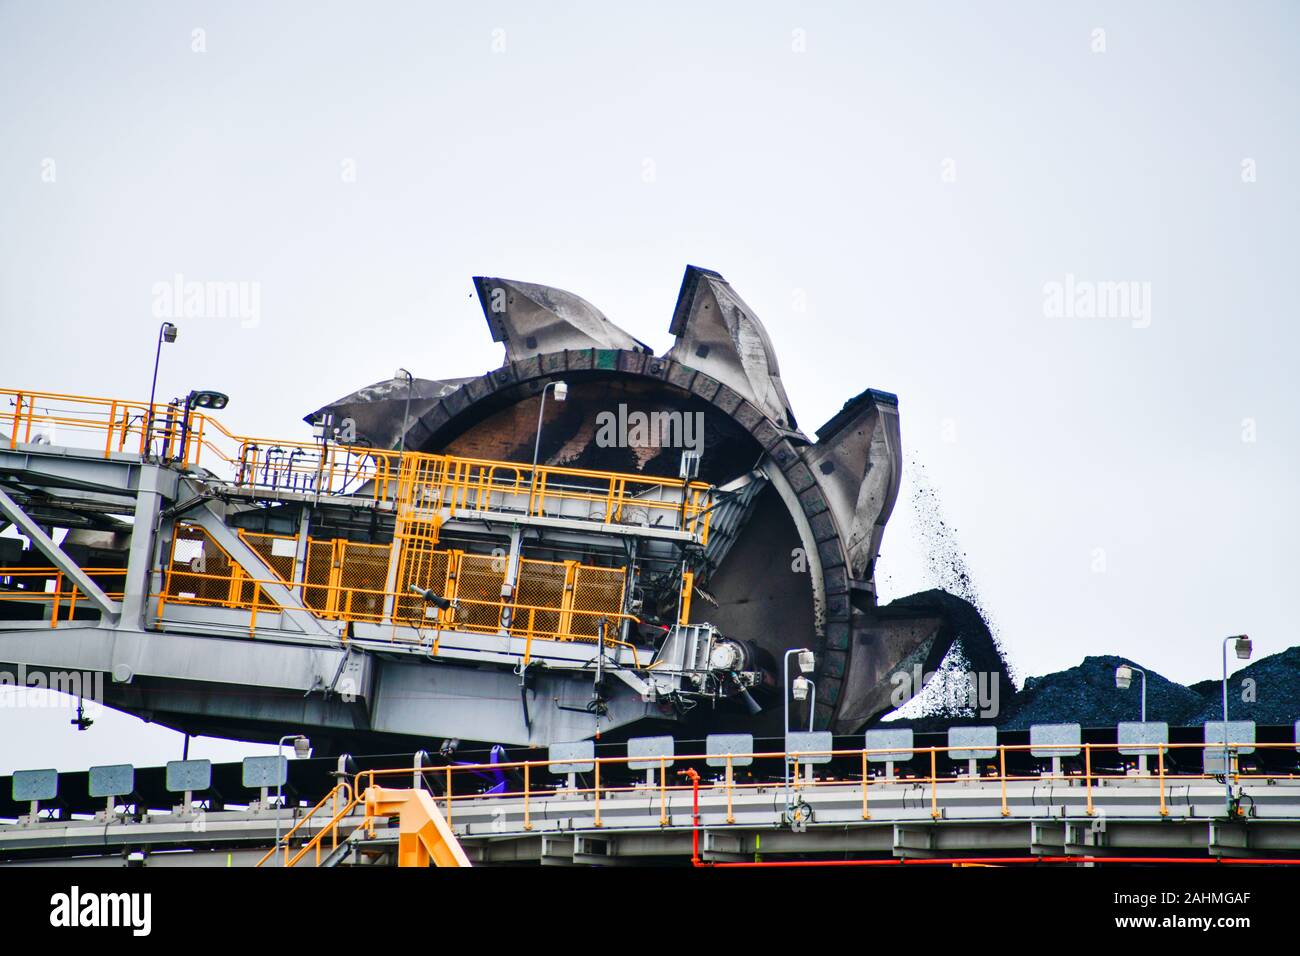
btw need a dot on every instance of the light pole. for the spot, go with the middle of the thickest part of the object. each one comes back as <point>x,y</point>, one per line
<point>301,748</point>
<point>807,661</point>
<point>1243,648</point>
<point>406,415</point>
<point>561,393</point>
<point>166,333</point>
<point>1124,678</point>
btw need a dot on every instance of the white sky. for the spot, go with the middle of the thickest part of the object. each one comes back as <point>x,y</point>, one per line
<point>607,146</point>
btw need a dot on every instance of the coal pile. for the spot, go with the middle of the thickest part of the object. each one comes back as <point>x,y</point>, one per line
<point>1267,691</point>
<point>1086,694</point>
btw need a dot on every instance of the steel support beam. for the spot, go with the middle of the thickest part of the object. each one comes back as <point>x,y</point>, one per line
<point>293,609</point>
<point>45,543</point>
<point>156,486</point>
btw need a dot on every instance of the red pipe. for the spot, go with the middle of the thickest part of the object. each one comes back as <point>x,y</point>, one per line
<point>1002,860</point>
<point>695,817</point>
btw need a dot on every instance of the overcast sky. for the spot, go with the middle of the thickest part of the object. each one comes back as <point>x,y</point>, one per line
<point>918,197</point>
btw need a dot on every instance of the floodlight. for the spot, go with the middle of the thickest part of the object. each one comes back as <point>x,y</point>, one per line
<point>207,399</point>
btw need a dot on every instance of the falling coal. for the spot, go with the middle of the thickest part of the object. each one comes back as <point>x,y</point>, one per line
<point>974,676</point>
<point>1266,692</point>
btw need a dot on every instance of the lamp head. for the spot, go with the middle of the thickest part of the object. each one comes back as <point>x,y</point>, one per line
<point>807,661</point>
<point>799,688</point>
<point>1243,647</point>
<point>1123,677</point>
<point>561,391</point>
<point>214,401</point>
<point>301,747</point>
<point>168,332</point>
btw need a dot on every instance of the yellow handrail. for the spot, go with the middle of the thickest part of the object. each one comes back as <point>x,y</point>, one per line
<point>458,483</point>
<point>932,779</point>
<point>64,590</point>
<point>343,788</point>
<point>173,595</point>
<point>332,828</point>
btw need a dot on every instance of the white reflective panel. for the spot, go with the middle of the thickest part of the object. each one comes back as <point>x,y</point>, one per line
<point>272,771</point>
<point>1239,732</point>
<point>1055,740</point>
<point>112,780</point>
<point>882,739</point>
<point>803,745</point>
<point>579,757</point>
<point>1135,737</point>
<point>650,749</point>
<point>29,785</point>
<point>185,775</point>
<point>973,743</point>
<point>717,746</point>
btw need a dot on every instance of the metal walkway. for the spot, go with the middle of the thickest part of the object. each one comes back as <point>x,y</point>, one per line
<point>728,804</point>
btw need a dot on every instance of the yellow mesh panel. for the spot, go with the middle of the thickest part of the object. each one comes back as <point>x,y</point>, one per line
<point>425,568</point>
<point>363,573</point>
<point>281,565</point>
<point>540,584</point>
<point>201,572</point>
<point>598,590</point>
<point>479,581</point>
<point>193,551</point>
<point>316,592</point>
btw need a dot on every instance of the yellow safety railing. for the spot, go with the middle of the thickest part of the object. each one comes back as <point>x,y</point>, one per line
<point>191,438</point>
<point>417,483</point>
<point>431,483</point>
<point>1088,779</point>
<point>352,599</point>
<point>341,800</point>
<point>54,417</point>
<point>338,588</point>
<point>62,595</point>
